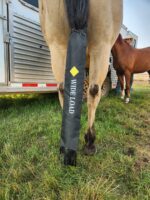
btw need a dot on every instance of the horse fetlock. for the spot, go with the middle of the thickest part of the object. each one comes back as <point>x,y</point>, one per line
<point>122,96</point>
<point>90,137</point>
<point>94,90</point>
<point>90,148</point>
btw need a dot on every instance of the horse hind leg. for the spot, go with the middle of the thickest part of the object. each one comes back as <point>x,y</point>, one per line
<point>58,57</point>
<point>127,90</point>
<point>149,75</point>
<point>99,61</point>
<point>121,80</point>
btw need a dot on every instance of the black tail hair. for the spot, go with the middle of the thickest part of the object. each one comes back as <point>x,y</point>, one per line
<point>77,11</point>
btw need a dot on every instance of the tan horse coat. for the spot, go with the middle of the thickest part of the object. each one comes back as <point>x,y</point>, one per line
<point>105,18</point>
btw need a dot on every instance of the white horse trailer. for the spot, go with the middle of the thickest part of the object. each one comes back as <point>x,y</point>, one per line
<point>24,55</point>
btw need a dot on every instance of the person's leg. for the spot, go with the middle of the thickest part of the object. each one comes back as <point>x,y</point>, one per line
<point>118,88</point>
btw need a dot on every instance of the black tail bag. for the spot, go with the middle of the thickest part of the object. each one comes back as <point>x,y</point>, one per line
<point>77,11</point>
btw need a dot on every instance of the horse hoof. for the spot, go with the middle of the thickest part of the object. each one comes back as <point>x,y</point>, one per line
<point>70,157</point>
<point>89,151</point>
<point>122,97</point>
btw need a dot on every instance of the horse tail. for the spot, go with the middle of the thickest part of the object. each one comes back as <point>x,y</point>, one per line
<point>77,11</point>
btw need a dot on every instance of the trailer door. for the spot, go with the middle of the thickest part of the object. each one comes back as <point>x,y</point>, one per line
<point>30,56</point>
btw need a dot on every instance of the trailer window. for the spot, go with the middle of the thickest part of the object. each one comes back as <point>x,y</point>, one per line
<point>32,2</point>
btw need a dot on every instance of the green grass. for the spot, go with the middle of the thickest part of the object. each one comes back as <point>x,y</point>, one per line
<point>30,165</point>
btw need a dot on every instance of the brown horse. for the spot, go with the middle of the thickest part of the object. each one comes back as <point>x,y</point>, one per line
<point>128,60</point>
<point>104,23</point>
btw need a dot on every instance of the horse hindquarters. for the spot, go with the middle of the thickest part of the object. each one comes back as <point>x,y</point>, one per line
<point>99,49</point>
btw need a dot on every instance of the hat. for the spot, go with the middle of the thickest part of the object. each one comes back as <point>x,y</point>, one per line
<point>128,37</point>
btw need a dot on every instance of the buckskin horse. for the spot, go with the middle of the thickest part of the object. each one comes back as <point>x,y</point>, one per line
<point>128,60</point>
<point>103,26</point>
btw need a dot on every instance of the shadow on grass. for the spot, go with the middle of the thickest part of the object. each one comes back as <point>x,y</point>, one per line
<point>22,100</point>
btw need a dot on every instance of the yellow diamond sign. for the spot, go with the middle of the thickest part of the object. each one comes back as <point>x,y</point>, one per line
<point>74,71</point>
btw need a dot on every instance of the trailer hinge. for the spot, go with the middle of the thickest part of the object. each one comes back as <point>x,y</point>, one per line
<point>3,17</point>
<point>7,37</point>
<point>8,1</point>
